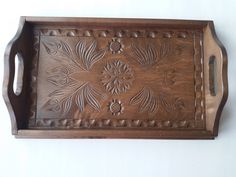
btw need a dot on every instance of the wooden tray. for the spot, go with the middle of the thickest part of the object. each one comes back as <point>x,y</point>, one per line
<point>115,78</point>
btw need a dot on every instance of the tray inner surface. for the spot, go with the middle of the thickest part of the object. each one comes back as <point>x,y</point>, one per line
<point>117,78</point>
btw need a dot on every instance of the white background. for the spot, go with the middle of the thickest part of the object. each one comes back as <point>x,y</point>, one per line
<point>123,158</point>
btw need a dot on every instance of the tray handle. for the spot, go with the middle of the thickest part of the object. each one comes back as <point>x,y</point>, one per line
<point>16,101</point>
<point>216,81</point>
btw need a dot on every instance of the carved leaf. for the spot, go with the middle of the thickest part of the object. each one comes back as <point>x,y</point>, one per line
<point>80,100</point>
<point>169,77</point>
<point>164,50</point>
<point>166,104</point>
<point>87,53</point>
<point>91,99</point>
<point>171,104</point>
<point>59,75</point>
<point>65,48</point>
<point>145,56</point>
<point>57,93</point>
<point>81,94</point>
<point>137,98</point>
<point>66,104</point>
<point>97,56</point>
<point>52,105</point>
<point>150,54</point>
<point>179,104</point>
<point>58,48</point>
<point>88,95</point>
<point>146,100</point>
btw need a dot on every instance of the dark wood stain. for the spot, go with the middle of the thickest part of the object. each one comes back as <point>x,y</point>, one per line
<point>116,78</point>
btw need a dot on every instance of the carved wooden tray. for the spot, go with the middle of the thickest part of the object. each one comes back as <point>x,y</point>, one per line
<point>115,78</point>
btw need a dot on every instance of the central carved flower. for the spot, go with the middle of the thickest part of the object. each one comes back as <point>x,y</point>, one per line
<point>117,77</point>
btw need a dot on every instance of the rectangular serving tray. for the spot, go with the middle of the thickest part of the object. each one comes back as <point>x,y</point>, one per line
<point>115,78</point>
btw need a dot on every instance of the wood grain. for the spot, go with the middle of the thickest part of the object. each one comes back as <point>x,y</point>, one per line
<point>116,78</point>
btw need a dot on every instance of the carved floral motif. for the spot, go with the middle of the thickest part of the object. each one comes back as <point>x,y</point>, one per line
<point>80,93</point>
<point>87,53</point>
<point>74,59</point>
<point>116,107</point>
<point>116,46</point>
<point>117,77</point>
<point>70,90</point>
<point>59,75</point>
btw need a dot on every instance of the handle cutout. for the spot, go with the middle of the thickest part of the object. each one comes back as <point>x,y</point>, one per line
<point>18,76</point>
<point>213,75</point>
